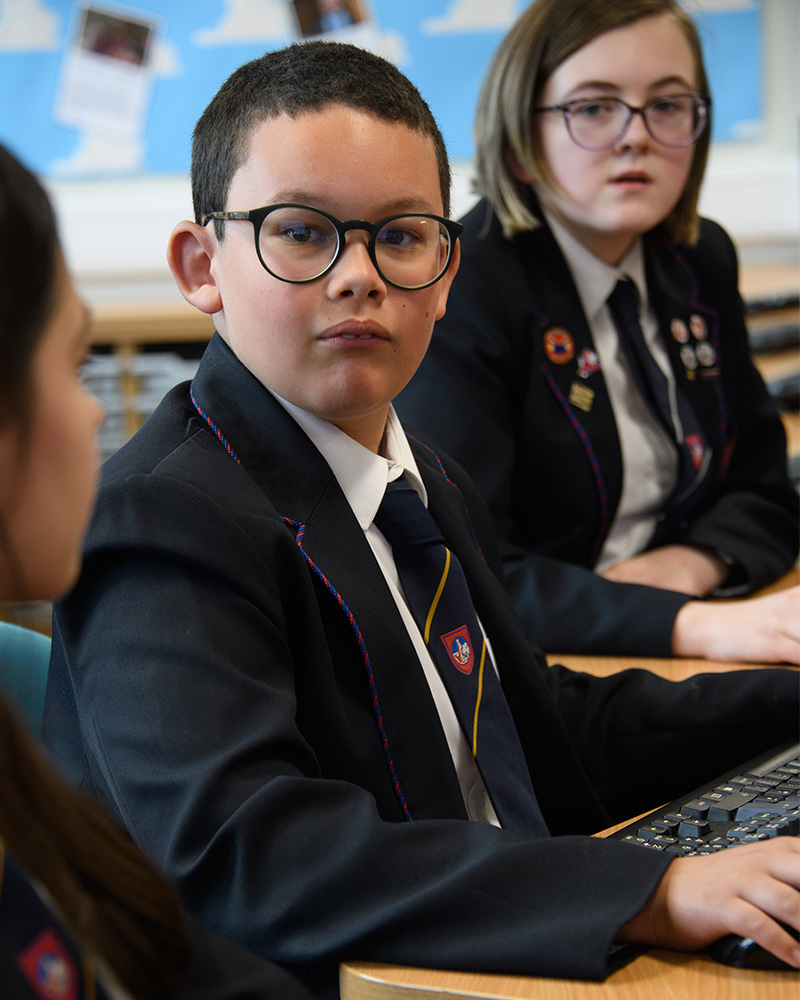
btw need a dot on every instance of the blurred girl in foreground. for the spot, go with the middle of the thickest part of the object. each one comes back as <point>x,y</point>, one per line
<point>82,912</point>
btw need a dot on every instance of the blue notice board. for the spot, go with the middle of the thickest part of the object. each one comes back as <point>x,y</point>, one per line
<point>156,82</point>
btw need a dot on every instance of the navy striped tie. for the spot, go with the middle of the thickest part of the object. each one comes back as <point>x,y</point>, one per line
<point>438,597</point>
<point>654,387</point>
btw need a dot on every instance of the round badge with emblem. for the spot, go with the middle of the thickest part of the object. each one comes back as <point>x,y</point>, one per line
<point>559,345</point>
<point>679,331</point>
<point>689,358</point>
<point>706,354</point>
<point>698,327</point>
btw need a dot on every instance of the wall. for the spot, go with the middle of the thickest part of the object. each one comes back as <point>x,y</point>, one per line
<point>115,231</point>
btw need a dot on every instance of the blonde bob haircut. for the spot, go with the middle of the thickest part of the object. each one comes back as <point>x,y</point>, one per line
<point>544,36</point>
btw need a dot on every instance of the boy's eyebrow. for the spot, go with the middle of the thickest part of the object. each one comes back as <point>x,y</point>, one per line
<point>410,204</point>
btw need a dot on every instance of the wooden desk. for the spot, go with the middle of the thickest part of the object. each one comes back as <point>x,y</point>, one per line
<point>655,975</point>
<point>132,325</point>
<point>760,280</point>
<point>674,669</point>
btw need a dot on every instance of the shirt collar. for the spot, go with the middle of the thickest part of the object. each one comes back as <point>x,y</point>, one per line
<point>594,279</point>
<point>361,473</point>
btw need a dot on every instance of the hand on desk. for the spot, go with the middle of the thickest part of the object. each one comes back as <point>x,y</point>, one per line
<point>747,891</point>
<point>672,567</point>
<point>757,630</point>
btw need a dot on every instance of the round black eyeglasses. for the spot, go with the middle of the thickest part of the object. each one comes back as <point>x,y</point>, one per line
<point>297,243</point>
<point>599,123</point>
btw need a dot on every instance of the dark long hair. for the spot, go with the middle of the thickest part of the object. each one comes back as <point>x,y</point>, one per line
<point>117,905</point>
<point>28,250</point>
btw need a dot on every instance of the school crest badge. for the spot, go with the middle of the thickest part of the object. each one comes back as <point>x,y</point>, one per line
<point>696,449</point>
<point>49,968</point>
<point>459,648</point>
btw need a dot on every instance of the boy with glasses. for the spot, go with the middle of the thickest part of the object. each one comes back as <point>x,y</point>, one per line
<point>286,740</point>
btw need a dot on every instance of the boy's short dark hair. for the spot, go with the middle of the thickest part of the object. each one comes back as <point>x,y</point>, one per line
<point>302,77</point>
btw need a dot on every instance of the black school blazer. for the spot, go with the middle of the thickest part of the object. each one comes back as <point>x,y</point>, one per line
<point>232,679</point>
<point>541,443</point>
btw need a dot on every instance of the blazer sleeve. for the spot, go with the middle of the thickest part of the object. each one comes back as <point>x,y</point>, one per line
<point>466,398</point>
<point>222,970</point>
<point>754,515</point>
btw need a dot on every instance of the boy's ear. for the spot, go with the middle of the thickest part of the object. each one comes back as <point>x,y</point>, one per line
<point>190,251</point>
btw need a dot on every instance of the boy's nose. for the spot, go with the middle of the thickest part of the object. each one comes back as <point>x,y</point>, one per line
<point>354,271</point>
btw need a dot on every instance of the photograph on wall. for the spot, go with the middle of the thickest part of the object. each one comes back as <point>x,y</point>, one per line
<point>107,79</point>
<point>321,17</point>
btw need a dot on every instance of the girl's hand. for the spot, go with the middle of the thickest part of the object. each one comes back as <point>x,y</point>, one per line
<point>672,567</point>
<point>758,630</point>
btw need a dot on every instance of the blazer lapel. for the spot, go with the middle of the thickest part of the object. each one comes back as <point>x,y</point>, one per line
<point>567,358</point>
<point>406,717</point>
<point>297,481</point>
<point>690,329</point>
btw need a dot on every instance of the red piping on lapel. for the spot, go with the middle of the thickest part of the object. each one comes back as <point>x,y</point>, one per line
<point>300,531</point>
<point>597,472</point>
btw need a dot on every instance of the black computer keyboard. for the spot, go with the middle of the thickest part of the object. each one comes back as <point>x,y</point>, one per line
<point>768,303</point>
<point>774,338</point>
<point>758,800</point>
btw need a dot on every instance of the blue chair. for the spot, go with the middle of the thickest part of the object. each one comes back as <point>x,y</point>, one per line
<point>24,661</point>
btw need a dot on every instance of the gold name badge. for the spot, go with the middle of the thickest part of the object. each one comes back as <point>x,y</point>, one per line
<point>581,395</point>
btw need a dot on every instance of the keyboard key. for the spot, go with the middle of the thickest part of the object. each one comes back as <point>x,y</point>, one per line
<point>741,831</point>
<point>764,780</point>
<point>694,828</point>
<point>725,808</point>
<point>653,830</point>
<point>681,850</point>
<point>697,808</point>
<point>664,841</point>
<point>778,828</point>
<point>720,842</point>
<point>760,807</point>
<point>641,842</point>
<point>793,819</point>
<point>742,781</point>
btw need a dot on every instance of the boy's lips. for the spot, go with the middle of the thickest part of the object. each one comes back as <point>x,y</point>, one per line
<point>355,331</point>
